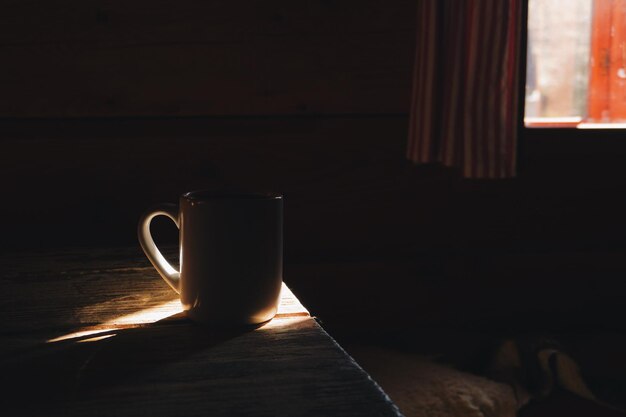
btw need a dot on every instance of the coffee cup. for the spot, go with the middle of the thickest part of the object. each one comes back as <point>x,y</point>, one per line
<point>231,255</point>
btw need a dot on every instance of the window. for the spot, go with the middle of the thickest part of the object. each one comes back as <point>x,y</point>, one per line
<point>576,64</point>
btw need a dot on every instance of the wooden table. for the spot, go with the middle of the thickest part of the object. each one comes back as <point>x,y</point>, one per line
<point>97,332</point>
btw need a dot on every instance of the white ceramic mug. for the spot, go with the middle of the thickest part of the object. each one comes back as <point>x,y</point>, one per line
<point>231,255</point>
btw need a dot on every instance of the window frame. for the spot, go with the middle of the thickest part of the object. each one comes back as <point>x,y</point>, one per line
<point>572,142</point>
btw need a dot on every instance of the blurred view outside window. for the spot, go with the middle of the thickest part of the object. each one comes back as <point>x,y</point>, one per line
<point>576,64</point>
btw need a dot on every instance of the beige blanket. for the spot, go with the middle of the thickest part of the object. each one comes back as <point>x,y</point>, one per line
<point>422,386</point>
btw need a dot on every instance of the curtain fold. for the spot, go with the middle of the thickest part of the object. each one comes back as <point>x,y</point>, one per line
<point>464,101</point>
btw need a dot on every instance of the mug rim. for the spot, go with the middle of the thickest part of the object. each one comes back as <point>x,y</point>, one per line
<point>211,195</point>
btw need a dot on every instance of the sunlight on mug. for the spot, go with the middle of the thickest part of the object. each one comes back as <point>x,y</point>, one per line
<point>231,255</point>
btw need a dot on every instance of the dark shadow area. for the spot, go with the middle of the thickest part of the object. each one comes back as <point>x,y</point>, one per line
<point>49,377</point>
<point>564,403</point>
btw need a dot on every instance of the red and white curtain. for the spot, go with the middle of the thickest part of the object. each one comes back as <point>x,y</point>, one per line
<point>464,107</point>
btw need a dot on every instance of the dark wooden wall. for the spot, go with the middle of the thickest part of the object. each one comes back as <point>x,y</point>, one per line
<point>108,107</point>
<point>111,106</point>
<point>157,58</point>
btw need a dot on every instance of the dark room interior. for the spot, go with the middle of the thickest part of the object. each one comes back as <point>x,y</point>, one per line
<point>410,269</point>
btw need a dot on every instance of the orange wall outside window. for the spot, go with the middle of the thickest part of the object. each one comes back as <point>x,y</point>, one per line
<point>607,83</point>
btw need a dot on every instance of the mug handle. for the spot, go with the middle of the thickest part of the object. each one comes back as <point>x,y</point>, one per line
<point>167,271</point>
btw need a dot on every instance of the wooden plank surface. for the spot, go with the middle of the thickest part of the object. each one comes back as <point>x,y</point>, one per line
<point>338,171</point>
<point>140,58</point>
<point>97,332</point>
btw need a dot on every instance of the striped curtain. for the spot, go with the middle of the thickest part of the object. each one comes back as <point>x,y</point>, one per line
<point>464,107</point>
